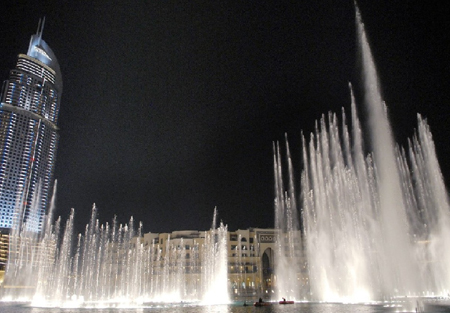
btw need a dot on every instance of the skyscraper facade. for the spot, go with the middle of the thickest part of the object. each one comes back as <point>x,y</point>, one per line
<point>29,108</point>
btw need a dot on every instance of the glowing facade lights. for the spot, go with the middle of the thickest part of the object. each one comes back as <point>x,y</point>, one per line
<point>29,110</point>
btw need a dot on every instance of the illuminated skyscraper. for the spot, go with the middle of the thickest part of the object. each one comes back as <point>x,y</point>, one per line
<point>29,110</point>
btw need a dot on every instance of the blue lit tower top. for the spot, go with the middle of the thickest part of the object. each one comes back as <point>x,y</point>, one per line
<point>29,111</point>
<point>39,50</point>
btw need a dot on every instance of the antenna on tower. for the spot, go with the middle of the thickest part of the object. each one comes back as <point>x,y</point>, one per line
<point>40,28</point>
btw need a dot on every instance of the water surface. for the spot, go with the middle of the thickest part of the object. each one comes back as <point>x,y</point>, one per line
<point>405,306</point>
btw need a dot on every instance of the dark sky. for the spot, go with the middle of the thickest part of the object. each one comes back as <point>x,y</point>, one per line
<point>170,108</point>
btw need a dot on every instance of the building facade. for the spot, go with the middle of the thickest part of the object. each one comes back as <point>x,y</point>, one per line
<point>29,107</point>
<point>168,267</point>
<point>251,258</point>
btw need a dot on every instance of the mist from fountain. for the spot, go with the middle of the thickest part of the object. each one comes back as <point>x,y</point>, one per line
<point>111,266</point>
<point>215,274</point>
<point>375,225</point>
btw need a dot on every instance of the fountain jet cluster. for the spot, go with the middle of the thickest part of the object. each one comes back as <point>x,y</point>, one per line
<point>111,266</point>
<point>375,226</point>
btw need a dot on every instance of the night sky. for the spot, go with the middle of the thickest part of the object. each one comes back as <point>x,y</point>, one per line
<point>170,108</point>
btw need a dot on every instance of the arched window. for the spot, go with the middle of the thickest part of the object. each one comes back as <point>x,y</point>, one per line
<point>267,260</point>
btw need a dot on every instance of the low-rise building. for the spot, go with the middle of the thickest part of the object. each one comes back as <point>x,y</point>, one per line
<point>247,256</point>
<point>250,257</point>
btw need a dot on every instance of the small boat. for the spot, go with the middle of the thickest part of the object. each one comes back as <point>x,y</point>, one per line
<point>286,302</point>
<point>261,303</point>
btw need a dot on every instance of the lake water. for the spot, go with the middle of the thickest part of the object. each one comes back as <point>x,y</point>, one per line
<point>403,306</point>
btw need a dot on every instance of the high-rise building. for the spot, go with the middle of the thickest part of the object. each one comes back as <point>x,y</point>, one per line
<point>29,108</point>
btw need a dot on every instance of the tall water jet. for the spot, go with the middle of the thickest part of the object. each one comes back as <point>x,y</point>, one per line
<point>375,223</point>
<point>399,275</point>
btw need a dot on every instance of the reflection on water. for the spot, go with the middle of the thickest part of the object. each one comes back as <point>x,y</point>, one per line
<point>405,306</point>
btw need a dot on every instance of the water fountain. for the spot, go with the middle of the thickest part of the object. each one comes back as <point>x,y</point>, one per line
<point>289,249</point>
<point>111,266</point>
<point>375,225</point>
<point>215,273</point>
